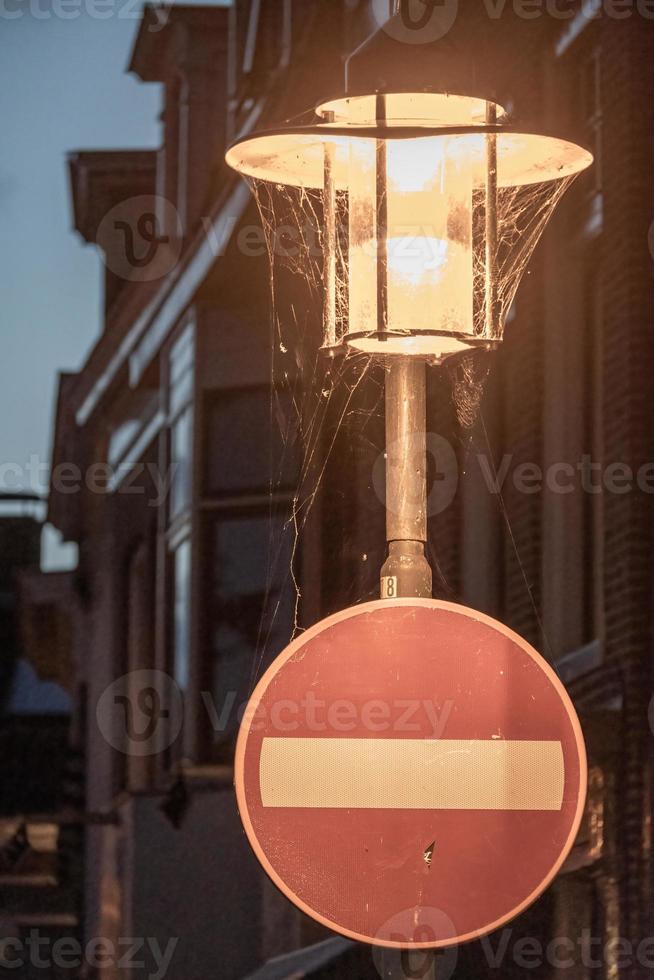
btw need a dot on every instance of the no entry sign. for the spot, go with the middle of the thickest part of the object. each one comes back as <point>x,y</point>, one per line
<point>411,773</point>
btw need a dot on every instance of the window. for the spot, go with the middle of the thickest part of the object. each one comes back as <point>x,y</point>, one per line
<point>181,614</point>
<point>180,418</point>
<point>252,442</point>
<point>250,609</point>
<point>181,458</point>
<point>251,460</point>
<point>181,421</point>
<point>590,111</point>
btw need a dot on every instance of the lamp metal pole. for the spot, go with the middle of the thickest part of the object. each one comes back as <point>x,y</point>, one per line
<point>406,571</point>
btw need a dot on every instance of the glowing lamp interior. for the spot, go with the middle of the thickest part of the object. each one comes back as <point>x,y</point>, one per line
<point>427,244</point>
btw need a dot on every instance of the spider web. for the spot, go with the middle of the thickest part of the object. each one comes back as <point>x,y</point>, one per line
<point>315,377</point>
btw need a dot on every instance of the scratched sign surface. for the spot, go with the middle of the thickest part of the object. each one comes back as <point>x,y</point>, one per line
<point>411,773</point>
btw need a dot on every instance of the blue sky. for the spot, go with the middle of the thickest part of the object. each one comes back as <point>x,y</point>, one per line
<point>63,87</point>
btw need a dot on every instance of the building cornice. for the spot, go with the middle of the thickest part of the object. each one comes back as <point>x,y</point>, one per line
<point>159,42</point>
<point>99,179</point>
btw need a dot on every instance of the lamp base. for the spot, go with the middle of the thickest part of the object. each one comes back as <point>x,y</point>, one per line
<point>435,346</point>
<point>406,573</point>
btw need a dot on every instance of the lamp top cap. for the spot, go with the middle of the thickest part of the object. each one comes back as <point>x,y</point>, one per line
<point>401,55</point>
<point>426,108</point>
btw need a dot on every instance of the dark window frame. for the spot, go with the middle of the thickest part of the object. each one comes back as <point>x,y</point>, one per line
<point>211,751</point>
<point>212,399</point>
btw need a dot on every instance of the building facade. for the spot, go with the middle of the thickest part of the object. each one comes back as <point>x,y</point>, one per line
<point>41,783</point>
<point>180,469</point>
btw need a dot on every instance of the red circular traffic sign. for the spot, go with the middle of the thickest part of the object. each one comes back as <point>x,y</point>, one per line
<point>411,773</point>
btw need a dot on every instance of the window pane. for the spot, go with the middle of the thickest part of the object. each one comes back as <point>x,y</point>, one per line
<point>251,607</point>
<point>181,459</point>
<point>181,356</point>
<point>247,445</point>
<point>181,371</point>
<point>181,614</point>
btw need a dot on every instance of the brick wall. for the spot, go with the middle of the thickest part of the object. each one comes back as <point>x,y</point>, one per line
<point>628,277</point>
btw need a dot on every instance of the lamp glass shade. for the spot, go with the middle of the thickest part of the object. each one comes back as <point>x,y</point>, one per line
<point>426,250</point>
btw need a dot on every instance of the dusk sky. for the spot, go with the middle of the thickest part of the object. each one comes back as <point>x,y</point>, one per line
<point>63,87</point>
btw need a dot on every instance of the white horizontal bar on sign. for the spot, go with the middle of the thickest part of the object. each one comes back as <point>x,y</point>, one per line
<point>412,774</point>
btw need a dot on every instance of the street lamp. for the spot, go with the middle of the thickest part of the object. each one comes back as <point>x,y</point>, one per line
<point>419,171</point>
<point>431,205</point>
